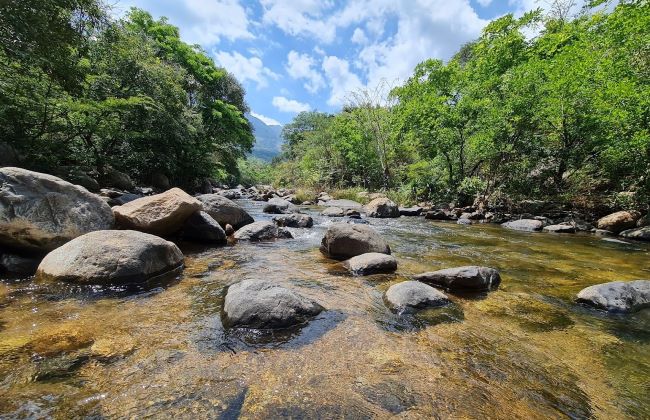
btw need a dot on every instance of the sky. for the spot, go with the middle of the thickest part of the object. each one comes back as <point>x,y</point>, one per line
<point>301,55</point>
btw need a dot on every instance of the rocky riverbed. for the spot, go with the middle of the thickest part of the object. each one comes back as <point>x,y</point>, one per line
<point>518,341</point>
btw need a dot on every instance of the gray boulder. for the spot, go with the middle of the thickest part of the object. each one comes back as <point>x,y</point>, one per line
<point>111,257</point>
<point>224,211</point>
<point>526,225</point>
<point>617,296</point>
<point>40,212</point>
<point>200,227</point>
<point>462,278</point>
<point>265,305</point>
<point>343,241</point>
<point>409,295</point>
<point>279,206</point>
<point>333,212</point>
<point>371,263</point>
<point>295,220</point>
<point>642,233</point>
<point>382,207</point>
<point>261,231</point>
<point>560,228</point>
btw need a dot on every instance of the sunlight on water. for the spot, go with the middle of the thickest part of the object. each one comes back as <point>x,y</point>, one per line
<point>524,351</point>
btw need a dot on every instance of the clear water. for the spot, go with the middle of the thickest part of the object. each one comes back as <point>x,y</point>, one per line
<point>524,351</point>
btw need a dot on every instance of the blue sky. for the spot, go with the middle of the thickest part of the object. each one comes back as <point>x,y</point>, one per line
<point>296,55</point>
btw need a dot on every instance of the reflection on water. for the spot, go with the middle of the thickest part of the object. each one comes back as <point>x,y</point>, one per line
<point>524,351</point>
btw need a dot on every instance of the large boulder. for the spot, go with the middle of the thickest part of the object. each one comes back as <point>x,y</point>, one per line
<point>111,257</point>
<point>619,221</point>
<point>224,211</point>
<point>642,233</point>
<point>200,227</point>
<point>114,178</point>
<point>462,278</point>
<point>382,207</point>
<point>343,241</point>
<point>526,225</point>
<point>409,295</point>
<point>617,296</point>
<point>371,263</point>
<point>160,214</point>
<point>279,206</point>
<point>261,231</point>
<point>295,220</point>
<point>265,305</point>
<point>40,212</point>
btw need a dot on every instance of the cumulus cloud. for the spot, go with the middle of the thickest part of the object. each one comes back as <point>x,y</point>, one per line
<point>484,3</point>
<point>340,79</point>
<point>246,68</point>
<point>300,17</point>
<point>359,37</point>
<point>266,120</point>
<point>302,66</point>
<point>289,105</point>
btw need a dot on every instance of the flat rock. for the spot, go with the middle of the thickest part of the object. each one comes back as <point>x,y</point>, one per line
<point>112,257</point>
<point>342,203</point>
<point>382,207</point>
<point>343,241</point>
<point>160,214</point>
<point>201,227</point>
<point>371,263</point>
<point>560,229</point>
<point>40,212</point>
<point>642,233</point>
<point>414,295</point>
<point>526,225</point>
<point>333,212</point>
<point>265,305</point>
<point>617,296</point>
<point>224,211</point>
<point>462,278</point>
<point>410,211</point>
<point>295,220</point>
<point>261,231</point>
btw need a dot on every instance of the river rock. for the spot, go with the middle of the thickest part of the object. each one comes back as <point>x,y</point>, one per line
<point>201,227</point>
<point>382,207</point>
<point>114,178</point>
<point>333,212</point>
<point>560,228</point>
<point>224,211</point>
<point>462,278</point>
<point>619,221</point>
<point>439,215</point>
<point>642,233</point>
<point>229,230</point>
<point>123,199</point>
<point>265,305</point>
<point>371,263</point>
<point>19,264</point>
<point>409,295</point>
<point>160,214</point>
<point>261,231</point>
<point>410,211</point>
<point>343,241</point>
<point>526,225</point>
<point>112,257</point>
<point>463,221</point>
<point>279,206</point>
<point>40,212</point>
<point>342,203</point>
<point>617,296</point>
<point>295,220</point>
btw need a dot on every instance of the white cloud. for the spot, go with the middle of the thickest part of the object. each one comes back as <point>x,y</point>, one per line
<point>300,17</point>
<point>359,37</point>
<point>301,66</point>
<point>484,3</point>
<point>266,120</point>
<point>289,105</point>
<point>251,68</point>
<point>341,80</point>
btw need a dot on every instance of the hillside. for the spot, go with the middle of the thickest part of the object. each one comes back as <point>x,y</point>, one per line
<point>268,139</point>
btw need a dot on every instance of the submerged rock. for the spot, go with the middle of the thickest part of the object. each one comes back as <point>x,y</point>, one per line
<point>112,257</point>
<point>371,263</point>
<point>261,231</point>
<point>201,227</point>
<point>295,220</point>
<point>60,339</point>
<point>333,212</point>
<point>224,211</point>
<point>463,278</point>
<point>617,296</point>
<point>343,241</point>
<point>619,221</point>
<point>642,233</point>
<point>526,225</point>
<point>560,228</point>
<point>414,295</point>
<point>39,212</point>
<point>279,206</point>
<point>382,207</point>
<point>160,214</point>
<point>265,305</point>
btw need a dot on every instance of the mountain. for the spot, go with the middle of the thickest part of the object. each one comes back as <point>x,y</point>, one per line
<point>268,139</point>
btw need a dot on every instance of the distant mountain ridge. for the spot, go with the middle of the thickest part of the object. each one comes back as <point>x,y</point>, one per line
<point>268,139</point>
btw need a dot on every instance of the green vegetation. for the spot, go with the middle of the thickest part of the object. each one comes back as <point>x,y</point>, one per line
<point>80,91</point>
<point>563,114</point>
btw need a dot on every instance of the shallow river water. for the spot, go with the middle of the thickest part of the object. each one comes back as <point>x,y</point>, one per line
<point>523,351</point>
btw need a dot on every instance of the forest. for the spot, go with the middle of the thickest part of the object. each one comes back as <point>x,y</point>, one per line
<point>546,106</point>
